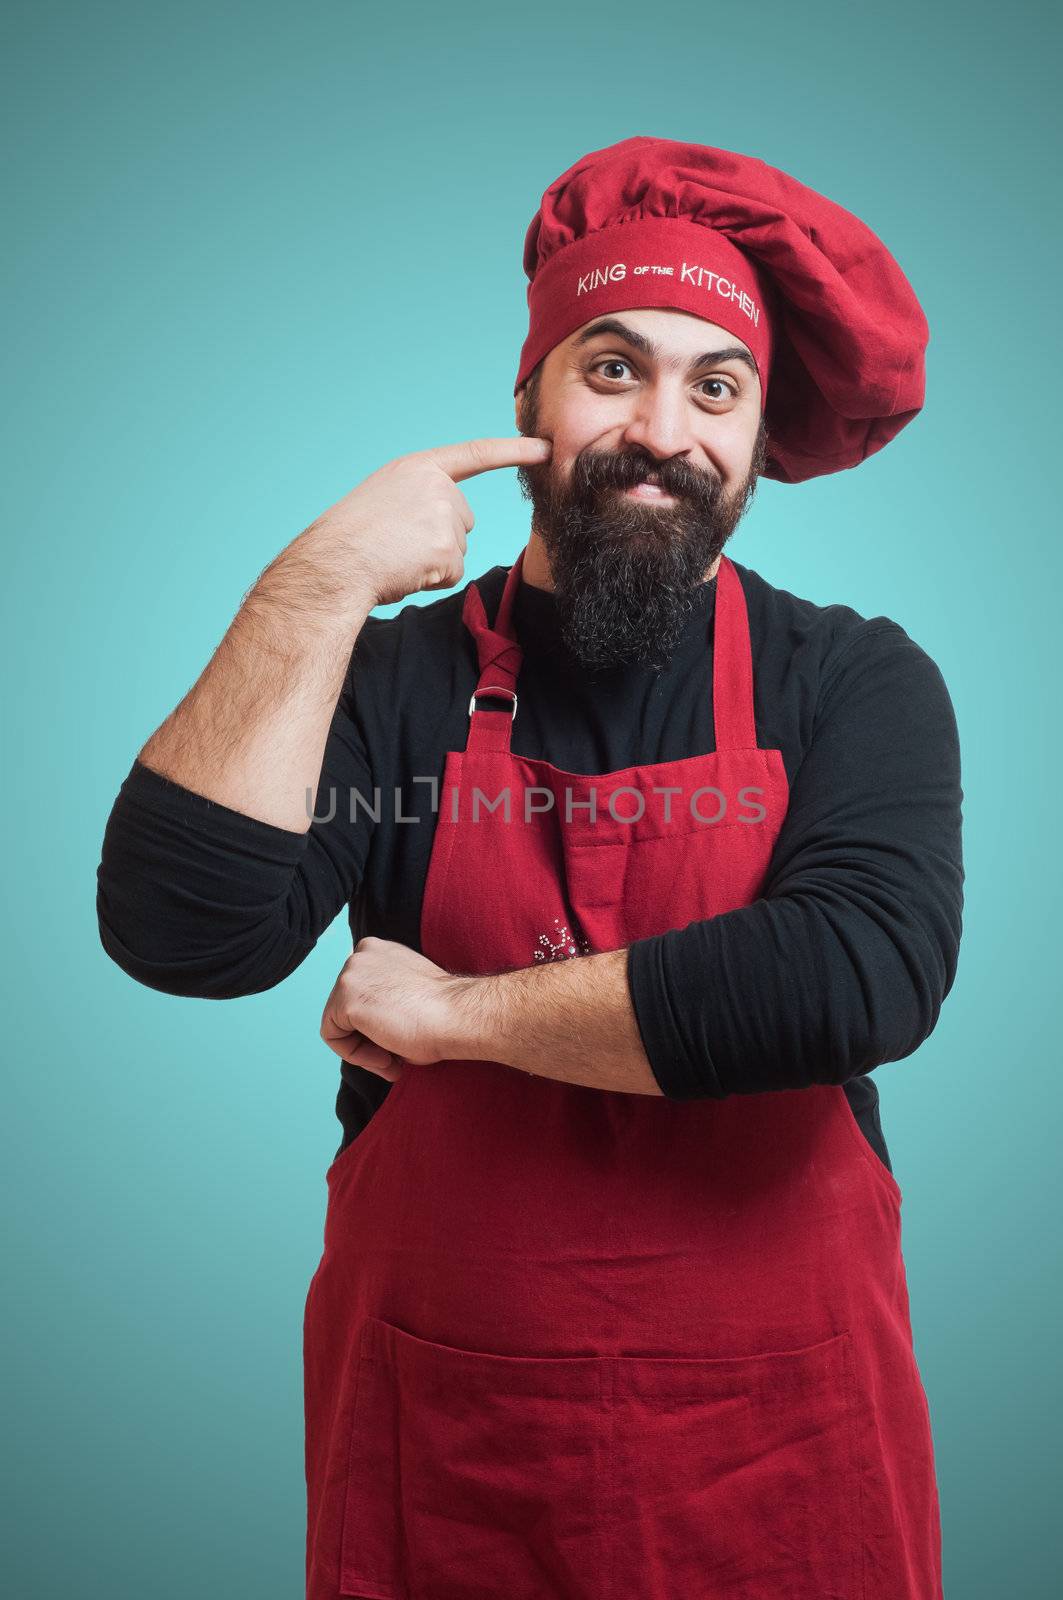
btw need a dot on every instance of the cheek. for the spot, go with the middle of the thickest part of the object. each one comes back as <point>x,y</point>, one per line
<point>582,418</point>
<point>566,448</point>
<point>587,432</point>
<point>724,457</point>
<point>733,443</point>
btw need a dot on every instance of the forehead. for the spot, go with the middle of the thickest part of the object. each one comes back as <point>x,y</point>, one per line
<point>677,335</point>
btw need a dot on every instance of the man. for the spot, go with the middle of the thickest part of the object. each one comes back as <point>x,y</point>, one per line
<point>612,1294</point>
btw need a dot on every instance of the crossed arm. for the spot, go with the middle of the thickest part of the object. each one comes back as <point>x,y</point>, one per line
<point>571,1020</point>
<point>840,965</point>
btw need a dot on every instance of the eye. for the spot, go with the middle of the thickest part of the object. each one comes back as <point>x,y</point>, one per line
<point>610,361</point>
<point>728,389</point>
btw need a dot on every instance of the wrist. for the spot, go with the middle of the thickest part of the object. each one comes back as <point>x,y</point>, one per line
<point>474,1020</point>
<point>328,575</point>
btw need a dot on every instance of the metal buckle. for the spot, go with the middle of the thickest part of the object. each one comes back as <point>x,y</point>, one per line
<point>493,689</point>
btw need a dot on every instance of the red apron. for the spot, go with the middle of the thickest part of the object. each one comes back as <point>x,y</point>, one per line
<point>574,1344</point>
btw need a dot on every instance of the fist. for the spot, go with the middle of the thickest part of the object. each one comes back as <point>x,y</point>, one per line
<point>390,1006</point>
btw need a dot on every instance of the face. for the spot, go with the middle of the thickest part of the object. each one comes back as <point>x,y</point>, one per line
<point>658,441</point>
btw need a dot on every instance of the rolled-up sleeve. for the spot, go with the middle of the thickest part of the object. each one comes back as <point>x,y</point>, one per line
<point>844,960</point>
<point>196,899</point>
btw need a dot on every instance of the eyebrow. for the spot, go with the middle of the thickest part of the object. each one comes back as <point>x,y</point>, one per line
<point>646,347</point>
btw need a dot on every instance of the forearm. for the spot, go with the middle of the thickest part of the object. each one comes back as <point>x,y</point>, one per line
<point>251,733</point>
<point>569,1020</point>
<point>800,989</point>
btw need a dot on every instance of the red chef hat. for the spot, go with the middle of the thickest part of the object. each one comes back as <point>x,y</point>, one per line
<point>824,308</point>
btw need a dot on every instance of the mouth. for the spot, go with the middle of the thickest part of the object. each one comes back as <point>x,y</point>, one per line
<point>648,491</point>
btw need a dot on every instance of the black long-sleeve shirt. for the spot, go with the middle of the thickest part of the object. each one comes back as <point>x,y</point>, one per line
<point>841,965</point>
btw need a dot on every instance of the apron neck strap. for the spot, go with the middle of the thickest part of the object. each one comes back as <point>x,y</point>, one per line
<point>500,658</point>
<point>733,716</point>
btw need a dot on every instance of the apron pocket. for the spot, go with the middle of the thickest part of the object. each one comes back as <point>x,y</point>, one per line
<point>472,1476</point>
<point>736,1477</point>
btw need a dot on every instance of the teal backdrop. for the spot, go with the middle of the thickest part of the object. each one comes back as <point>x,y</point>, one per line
<point>253,251</point>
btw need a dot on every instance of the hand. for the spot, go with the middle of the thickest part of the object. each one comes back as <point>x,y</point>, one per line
<point>405,527</point>
<point>390,1006</point>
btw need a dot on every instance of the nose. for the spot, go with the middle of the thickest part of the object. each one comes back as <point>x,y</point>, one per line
<point>659,421</point>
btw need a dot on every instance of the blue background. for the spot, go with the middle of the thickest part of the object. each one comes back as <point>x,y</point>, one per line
<point>254,250</point>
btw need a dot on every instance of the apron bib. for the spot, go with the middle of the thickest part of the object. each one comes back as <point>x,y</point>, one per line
<point>574,1344</point>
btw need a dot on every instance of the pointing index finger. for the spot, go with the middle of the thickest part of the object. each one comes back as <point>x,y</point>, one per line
<point>460,461</point>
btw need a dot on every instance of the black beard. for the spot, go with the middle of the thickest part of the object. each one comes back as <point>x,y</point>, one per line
<point>627,572</point>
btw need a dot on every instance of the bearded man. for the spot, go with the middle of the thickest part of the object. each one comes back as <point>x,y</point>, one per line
<point>649,865</point>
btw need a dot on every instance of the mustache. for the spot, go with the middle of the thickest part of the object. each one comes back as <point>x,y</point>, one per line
<point>594,470</point>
